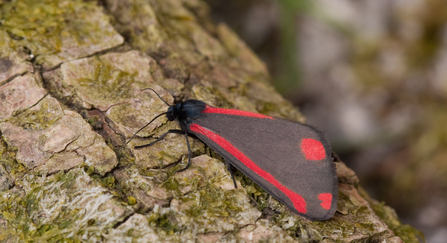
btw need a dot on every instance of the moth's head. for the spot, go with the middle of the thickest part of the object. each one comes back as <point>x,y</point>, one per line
<point>171,114</point>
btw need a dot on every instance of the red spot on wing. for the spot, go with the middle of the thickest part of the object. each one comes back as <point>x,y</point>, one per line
<point>326,199</point>
<point>210,109</point>
<point>312,149</point>
<point>297,200</point>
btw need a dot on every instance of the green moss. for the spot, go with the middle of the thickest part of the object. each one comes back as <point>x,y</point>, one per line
<point>104,82</point>
<point>109,181</point>
<point>49,209</point>
<point>165,156</point>
<point>47,114</point>
<point>171,184</point>
<point>212,201</point>
<point>41,26</point>
<point>95,122</point>
<point>163,222</point>
<point>8,160</point>
<point>125,158</point>
<point>266,107</point>
<point>89,169</point>
<point>254,190</point>
<point>406,232</point>
<point>131,200</point>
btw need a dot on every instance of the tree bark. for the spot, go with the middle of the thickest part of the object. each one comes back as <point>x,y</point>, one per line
<point>70,80</point>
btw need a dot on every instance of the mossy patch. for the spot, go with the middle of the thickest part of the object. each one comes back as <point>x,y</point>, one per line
<point>41,116</point>
<point>56,30</point>
<point>406,232</point>
<point>8,160</point>
<point>64,205</point>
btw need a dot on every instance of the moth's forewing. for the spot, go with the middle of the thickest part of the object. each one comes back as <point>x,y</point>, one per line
<point>292,161</point>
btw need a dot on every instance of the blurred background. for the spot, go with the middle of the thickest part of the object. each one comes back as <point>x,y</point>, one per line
<point>372,74</point>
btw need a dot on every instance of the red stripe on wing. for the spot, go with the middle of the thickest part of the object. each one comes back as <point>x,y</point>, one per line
<point>210,109</point>
<point>297,200</point>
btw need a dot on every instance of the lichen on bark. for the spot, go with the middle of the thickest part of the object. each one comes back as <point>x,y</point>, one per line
<point>66,172</point>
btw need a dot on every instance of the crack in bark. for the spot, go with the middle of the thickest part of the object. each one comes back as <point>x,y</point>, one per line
<point>10,79</point>
<point>17,113</point>
<point>124,220</point>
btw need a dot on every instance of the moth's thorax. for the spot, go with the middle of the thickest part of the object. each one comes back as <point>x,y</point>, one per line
<point>186,112</point>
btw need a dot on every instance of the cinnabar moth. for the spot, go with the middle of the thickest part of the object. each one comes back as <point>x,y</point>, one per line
<point>290,160</point>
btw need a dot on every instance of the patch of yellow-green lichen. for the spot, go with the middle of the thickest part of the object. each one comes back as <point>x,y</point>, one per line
<point>131,200</point>
<point>108,181</point>
<point>64,205</point>
<point>171,184</point>
<point>41,26</point>
<point>165,156</point>
<point>254,190</point>
<point>209,95</point>
<point>318,230</point>
<point>89,169</point>
<point>125,158</point>
<point>105,81</point>
<point>208,202</point>
<point>8,160</point>
<point>47,114</point>
<point>203,206</point>
<point>163,221</point>
<point>267,107</point>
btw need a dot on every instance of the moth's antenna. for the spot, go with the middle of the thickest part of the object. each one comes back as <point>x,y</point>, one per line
<point>157,95</point>
<point>145,126</point>
<point>153,118</point>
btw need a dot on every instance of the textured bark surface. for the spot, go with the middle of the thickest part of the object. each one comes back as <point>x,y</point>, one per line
<point>70,80</point>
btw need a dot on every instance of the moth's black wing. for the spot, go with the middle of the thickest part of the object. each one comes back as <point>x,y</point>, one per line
<point>283,149</point>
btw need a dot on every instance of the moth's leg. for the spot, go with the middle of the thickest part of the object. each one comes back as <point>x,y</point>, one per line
<point>189,153</point>
<point>230,169</point>
<point>161,138</point>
